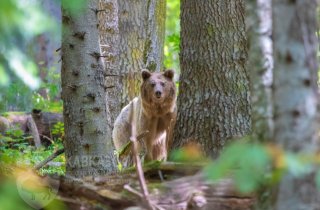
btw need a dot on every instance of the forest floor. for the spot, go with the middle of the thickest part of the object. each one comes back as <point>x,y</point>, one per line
<point>159,185</point>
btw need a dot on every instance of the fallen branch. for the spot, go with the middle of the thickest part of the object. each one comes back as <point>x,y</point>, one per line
<point>71,187</point>
<point>176,168</point>
<point>51,157</point>
<point>137,161</point>
<point>47,138</point>
<point>125,151</point>
<point>133,191</point>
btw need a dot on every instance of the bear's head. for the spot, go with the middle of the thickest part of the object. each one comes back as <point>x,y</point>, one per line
<point>158,87</point>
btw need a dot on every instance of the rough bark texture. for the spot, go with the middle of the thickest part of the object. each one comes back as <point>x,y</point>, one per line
<point>295,95</point>
<point>84,95</point>
<point>109,42</point>
<point>260,65</point>
<point>142,30</point>
<point>213,100</point>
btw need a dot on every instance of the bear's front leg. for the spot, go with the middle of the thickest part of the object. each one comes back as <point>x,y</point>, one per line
<point>159,152</point>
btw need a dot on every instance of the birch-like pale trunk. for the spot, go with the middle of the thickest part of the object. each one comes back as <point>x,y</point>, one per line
<point>84,95</point>
<point>260,66</point>
<point>295,96</point>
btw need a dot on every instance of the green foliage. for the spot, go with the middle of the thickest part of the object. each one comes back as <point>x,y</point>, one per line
<point>172,39</point>
<point>25,155</point>
<point>47,105</point>
<point>15,133</point>
<point>10,198</point>
<point>22,153</point>
<point>16,96</point>
<point>253,165</point>
<point>58,129</point>
<point>53,89</point>
<point>247,163</point>
<point>20,21</point>
<point>119,164</point>
<point>74,6</point>
<point>4,78</point>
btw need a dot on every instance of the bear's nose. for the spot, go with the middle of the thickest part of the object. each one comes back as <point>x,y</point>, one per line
<point>158,94</point>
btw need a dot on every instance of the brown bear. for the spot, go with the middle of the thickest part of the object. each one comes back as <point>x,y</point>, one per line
<point>154,111</point>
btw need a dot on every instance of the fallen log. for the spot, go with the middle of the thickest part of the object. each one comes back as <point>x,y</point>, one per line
<point>92,195</point>
<point>45,122</point>
<point>38,124</point>
<point>122,190</point>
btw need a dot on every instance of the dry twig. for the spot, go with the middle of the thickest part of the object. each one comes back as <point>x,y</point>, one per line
<point>137,160</point>
<point>51,157</point>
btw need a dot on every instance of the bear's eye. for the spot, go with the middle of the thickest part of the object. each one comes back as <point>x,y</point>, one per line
<point>162,84</point>
<point>153,84</point>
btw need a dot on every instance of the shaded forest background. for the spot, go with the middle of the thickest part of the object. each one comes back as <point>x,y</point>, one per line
<point>272,161</point>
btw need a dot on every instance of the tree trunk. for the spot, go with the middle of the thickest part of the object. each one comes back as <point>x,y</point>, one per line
<point>142,30</point>
<point>295,95</point>
<point>260,65</point>
<point>213,101</point>
<point>84,95</point>
<point>109,42</point>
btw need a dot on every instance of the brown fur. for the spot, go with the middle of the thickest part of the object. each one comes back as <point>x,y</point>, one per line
<point>154,110</point>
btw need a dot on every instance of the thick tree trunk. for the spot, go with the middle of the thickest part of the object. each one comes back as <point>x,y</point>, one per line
<point>260,65</point>
<point>295,95</point>
<point>84,95</point>
<point>213,101</point>
<point>109,42</point>
<point>142,30</point>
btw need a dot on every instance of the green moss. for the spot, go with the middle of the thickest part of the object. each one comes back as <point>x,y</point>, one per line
<point>146,167</point>
<point>210,30</point>
<point>160,12</point>
<point>152,66</point>
<point>146,50</point>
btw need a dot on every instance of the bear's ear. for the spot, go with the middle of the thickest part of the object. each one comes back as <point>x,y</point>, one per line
<point>145,74</point>
<point>169,73</point>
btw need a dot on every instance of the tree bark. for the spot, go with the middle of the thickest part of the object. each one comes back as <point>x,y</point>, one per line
<point>260,65</point>
<point>84,95</point>
<point>142,30</point>
<point>295,95</point>
<point>213,101</point>
<point>109,42</point>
